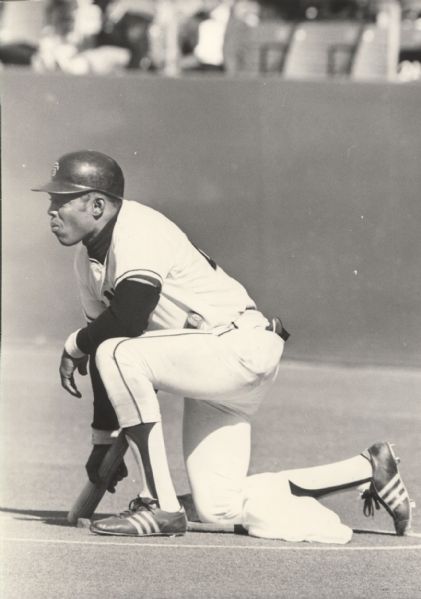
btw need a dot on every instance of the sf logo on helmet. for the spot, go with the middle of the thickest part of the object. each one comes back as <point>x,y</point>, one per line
<point>55,169</point>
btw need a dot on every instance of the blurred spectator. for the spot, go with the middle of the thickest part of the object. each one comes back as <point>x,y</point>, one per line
<point>126,25</point>
<point>69,37</point>
<point>20,26</point>
<point>411,9</point>
<point>201,38</point>
<point>245,15</point>
<point>409,70</point>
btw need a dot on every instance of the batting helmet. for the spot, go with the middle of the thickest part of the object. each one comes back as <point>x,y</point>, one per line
<point>83,171</point>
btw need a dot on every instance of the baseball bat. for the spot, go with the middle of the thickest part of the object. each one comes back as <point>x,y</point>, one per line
<point>92,493</point>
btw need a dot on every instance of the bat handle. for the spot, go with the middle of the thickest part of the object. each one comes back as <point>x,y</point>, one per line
<point>91,495</point>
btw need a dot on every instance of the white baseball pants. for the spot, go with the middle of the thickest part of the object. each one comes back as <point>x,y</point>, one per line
<point>223,378</point>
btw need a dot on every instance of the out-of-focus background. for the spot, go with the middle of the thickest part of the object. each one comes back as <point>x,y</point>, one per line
<point>357,39</point>
<point>281,135</point>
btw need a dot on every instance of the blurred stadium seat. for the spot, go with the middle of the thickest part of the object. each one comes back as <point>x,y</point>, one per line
<point>410,43</point>
<point>377,54</point>
<point>322,48</point>
<point>22,21</point>
<point>371,56</point>
<point>258,49</point>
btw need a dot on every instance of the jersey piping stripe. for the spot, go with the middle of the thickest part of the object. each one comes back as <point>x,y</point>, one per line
<point>144,279</point>
<point>134,339</point>
<point>135,271</point>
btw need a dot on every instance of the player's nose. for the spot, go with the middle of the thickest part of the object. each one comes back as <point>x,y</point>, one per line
<point>52,208</point>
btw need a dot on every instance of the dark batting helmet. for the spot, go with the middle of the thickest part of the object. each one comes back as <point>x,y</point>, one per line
<point>83,171</point>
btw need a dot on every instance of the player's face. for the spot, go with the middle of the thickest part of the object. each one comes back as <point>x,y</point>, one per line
<point>71,218</point>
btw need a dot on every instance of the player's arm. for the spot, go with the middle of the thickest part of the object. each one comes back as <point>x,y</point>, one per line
<point>127,316</point>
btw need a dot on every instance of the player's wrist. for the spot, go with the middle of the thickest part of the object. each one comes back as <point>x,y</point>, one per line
<point>101,437</point>
<point>71,347</point>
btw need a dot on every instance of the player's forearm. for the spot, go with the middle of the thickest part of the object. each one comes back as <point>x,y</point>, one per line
<point>127,316</point>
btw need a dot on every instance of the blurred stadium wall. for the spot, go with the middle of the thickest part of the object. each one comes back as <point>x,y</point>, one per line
<point>308,192</point>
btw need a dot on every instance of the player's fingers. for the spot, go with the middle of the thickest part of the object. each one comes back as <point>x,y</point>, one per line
<point>83,367</point>
<point>68,383</point>
<point>118,476</point>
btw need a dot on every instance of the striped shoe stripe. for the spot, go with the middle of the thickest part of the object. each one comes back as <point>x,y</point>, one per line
<point>152,521</point>
<point>396,495</point>
<point>138,526</point>
<point>143,522</point>
<point>393,481</point>
<point>400,498</point>
<point>390,496</point>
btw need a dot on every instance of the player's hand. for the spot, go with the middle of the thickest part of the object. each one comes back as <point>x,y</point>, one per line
<point>68,365</point>
<point>94,462</point>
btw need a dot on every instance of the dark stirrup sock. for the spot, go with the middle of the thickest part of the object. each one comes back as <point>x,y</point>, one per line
<point>139,434</point>
<point>316,493</point>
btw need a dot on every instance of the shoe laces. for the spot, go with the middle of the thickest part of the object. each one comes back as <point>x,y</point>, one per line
<point>140,504</point>
<point>370,501</point>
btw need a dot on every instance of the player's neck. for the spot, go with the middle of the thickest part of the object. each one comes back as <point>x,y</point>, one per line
<point>98,244</point>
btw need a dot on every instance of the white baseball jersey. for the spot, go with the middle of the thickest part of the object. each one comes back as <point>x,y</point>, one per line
<point>149,247</point>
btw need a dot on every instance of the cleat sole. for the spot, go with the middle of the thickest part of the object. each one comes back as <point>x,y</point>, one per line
<point>136,536</point>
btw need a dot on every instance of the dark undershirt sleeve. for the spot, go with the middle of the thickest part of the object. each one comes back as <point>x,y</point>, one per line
<point>127,315</point>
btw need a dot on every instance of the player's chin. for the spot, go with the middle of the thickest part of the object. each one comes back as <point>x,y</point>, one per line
<point>63,239</point>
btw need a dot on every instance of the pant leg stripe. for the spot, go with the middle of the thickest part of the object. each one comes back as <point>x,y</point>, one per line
<point>131,339</point>
<point>132,397</point>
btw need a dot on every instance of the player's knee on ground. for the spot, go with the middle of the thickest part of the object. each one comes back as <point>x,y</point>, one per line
<point>223,508</point>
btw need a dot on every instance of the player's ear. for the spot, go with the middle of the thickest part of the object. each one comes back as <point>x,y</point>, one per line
<point>98,206</point>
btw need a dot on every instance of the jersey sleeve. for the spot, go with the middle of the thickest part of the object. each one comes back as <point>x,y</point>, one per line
<point>145,254</point>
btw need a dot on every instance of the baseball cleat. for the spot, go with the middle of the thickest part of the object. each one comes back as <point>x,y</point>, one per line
<point>142,519</point>
<point>386,487</point>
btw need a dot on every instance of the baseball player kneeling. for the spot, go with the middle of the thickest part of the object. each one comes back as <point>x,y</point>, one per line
<point>162,315</point>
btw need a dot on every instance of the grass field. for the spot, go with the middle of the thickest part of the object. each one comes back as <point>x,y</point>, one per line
<point>316,414</point>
